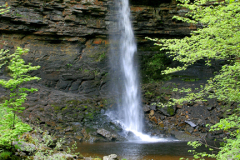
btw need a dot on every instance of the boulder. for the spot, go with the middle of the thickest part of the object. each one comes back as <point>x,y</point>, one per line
<point>153,107</point>
<point>191,124</point>
<point>25,147</point>
<point>107,134</point>
<point>110,157</point>
<point>146,108</point>
<point>168,111</point>
<point>183,136</point>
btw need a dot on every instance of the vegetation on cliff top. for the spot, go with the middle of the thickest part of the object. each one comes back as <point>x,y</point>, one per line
<point>217,38</point>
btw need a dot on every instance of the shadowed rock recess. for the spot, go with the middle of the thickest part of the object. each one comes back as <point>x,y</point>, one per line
<point>69,40</point>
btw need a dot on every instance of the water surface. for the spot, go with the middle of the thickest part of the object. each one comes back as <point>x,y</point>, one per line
<point>172,150</point>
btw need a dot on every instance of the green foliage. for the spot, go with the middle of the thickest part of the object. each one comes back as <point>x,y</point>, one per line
<point>44,152</point>
<point>153,65</point>
<point>217,38</point>
<point>5,155</point>
<point>68,65</point>
<point>149,94</point>
<point>5,8</point>
<point>202,155</point>
<point>231,146</point>
<point>170,111</point>
<point>10,125</point>
<point>7,132</point>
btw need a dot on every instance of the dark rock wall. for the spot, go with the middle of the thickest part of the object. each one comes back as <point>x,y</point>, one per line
<point>156,20</point>
<point>69,38</point>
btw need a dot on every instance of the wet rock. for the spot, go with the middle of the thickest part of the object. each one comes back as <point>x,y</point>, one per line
<point>69,128</point>
<point>210,108</point>
<point>189,129</point>
<point>191,124</point>
<point>168,111</point>
<point>154,119</point>
<point>90,158</point>
<point>210,136</point>
<point>184,136</point>
<point>153,107</point>
<point>110,157</point>
<point>58,156</point>
<point>146,108</point>
<point>200,123</point>
<point>151,113</point>
<point>25,147</point>
<point>107,134</point>
<point>20,154</point>
<point>87,136</point>
<point>179,106</point>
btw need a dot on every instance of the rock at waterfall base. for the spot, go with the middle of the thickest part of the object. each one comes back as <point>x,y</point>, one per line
<point>106,134</point>
<point>110,157</point>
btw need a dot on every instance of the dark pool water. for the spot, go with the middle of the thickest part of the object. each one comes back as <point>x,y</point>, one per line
<point>172,150</point>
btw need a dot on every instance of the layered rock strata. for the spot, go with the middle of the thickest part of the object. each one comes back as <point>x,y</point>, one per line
<point>69,38</point>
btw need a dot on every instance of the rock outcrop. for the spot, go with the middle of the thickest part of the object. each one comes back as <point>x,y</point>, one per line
<point>110,157</point>
<point>187,121</point>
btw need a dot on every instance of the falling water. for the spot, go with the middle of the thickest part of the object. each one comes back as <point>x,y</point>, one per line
<point>126,81</point>
<point>130,106</point>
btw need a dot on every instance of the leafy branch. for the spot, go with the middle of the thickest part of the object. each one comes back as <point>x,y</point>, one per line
<point>11,126</point>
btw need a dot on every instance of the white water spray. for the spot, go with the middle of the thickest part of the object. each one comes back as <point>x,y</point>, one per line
<point>130,113</point>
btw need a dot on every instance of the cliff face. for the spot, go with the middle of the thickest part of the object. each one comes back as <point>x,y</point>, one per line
<point>69,38</point>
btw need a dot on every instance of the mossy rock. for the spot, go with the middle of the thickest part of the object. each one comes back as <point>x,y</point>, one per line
<point>168,111</point>
<point>90,130</point>
<point>57,108</point>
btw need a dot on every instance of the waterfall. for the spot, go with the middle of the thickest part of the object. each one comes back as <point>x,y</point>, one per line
<point>130,108</point>
<point>125,81</point>
<point>123,62</point>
